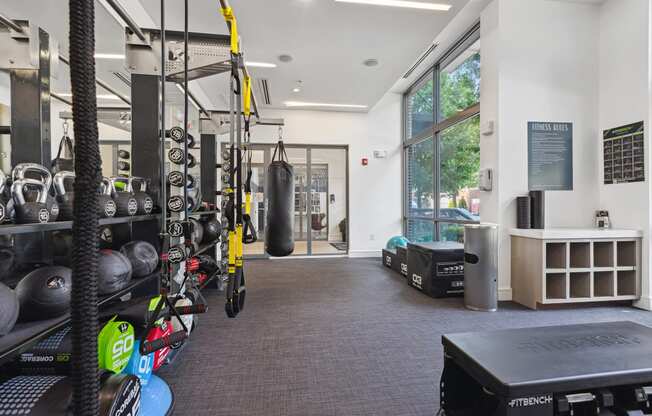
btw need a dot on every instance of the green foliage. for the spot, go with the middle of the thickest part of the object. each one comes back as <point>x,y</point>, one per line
<point>462,204</point>
<point>421,172</point>
<point>451,203</point>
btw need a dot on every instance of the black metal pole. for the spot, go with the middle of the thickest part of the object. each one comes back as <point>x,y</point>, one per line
<point>164,197</point>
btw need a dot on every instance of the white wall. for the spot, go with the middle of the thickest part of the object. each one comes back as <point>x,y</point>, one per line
<point>624,76</point>
<point>374,190</point>
<point>539,63</point>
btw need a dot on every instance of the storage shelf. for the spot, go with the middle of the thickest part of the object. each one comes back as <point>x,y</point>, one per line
<point>205,248</point>
<point>67,225</point>
<point>24,335</point>
<point>200,213</point>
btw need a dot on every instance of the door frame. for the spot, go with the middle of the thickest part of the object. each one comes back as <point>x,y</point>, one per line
<point>268,149</point>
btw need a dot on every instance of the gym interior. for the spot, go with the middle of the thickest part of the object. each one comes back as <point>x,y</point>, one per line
<point>325,207</point>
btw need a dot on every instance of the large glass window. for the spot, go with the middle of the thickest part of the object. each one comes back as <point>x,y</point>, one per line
<point>420,179</point>
<point>442,146</point>
<point>420,108</point>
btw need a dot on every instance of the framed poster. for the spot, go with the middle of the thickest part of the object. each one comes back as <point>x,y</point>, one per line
<point>550,156</point>
<point>624,155</point>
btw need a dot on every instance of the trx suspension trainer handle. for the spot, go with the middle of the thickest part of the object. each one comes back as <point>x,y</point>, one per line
<point>149,347</point>
<point>249,233</point>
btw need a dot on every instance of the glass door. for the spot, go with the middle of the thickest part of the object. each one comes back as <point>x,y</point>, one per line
<point>298,158</point>
<point>328,201</point>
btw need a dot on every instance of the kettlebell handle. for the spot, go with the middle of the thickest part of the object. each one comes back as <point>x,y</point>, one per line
<point>59,181</point>
<point>107,187</point>
<point>17,190</point>
<point>142,181</point>
<point>22,168</point>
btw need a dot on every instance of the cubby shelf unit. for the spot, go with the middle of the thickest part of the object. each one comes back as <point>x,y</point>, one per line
<point>547,269</point>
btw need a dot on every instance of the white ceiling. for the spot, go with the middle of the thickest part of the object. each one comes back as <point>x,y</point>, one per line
<point>328,41</point>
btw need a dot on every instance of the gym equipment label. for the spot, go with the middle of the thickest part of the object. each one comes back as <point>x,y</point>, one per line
<point>550,156</point>
<point>624,156</point>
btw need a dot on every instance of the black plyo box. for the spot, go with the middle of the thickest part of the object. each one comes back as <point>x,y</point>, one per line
<point>401,254</point>
<point>436,269</point>
<point>531,371</point>
<point>391,260</point>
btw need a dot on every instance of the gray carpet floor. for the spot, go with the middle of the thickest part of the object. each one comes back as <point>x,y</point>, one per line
<point>335,337</point>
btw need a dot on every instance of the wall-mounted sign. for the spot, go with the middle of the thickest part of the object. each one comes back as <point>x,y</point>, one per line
<point>624,157</point>
<point>550,156</point>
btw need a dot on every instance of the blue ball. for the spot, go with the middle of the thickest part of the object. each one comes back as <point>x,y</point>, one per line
<point>155,398</point>
<point>397,241</point>
<point>140,366</point>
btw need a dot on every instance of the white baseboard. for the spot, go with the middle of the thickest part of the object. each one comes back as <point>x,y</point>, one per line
<point>505,294</point>
<point>644,303</point>
<point>365,253</point>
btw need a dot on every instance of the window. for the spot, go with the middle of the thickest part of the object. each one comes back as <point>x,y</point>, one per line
<point>442,146</point>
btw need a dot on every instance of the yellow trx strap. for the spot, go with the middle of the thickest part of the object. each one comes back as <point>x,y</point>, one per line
<point>247,96</point>
<point>238,245</point>
<point>232,250</point>
<point>248,203</point>
<point>230,19</point>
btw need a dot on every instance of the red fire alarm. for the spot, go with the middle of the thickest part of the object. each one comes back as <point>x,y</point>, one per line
<point>365,161</point>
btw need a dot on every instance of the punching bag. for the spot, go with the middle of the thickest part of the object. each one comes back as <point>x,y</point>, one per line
<point>279,197</point>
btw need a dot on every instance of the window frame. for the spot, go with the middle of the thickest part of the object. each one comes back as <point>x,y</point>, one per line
<point>439,125</point>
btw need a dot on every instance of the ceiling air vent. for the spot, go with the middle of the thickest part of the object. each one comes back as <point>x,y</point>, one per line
<point>263,85</point>
<point>420,60</point>
<point>123,77</point>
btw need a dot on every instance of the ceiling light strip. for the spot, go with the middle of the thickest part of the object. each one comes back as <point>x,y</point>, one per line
<point>331,105</point>
<point>402,3</point>
<point>260,64</point>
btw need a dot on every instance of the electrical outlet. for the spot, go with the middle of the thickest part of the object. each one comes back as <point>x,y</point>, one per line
<point>372,237</point>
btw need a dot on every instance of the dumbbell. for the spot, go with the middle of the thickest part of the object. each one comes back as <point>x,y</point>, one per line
<point>126,204</point>
<point>107,207</point>
<point>175,178</point>
<point>124,154</point>
<point>51,395</point>
<point>125,166</point>
<point>65,199</point>
<point>21,170</point>
<point>177,133</point>
<point>143,200</point>
<point>176,156</point>
<point>34,211</point>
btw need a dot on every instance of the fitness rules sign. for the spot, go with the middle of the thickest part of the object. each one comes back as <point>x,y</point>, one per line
<point>550,156</point>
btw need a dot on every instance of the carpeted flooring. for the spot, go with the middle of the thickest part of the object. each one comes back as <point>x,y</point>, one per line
<point>335,337</point>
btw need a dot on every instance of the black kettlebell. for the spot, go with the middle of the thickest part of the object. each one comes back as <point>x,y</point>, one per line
<point>107,207</point>
<point>126,204</point>
<point>32,192</point>
<point>65,199</point>
<point>3,201</point>
<point>143,200</point>
<point>33,211</point>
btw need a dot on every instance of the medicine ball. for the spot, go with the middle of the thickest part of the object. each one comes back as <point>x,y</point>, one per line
<point>212,230</point>
<point>142,256</point>
<point>186,319</point>
<point>114,272</point>
<point>9,308</point>
<point>62,248</point>
<point>396,241</point>
<point>139,365</point>
<point>7,262</point>
<point>44,293</point>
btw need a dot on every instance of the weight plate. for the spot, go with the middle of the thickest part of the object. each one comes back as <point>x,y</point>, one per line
<point>176,254</point>
<point>175,178</point>
<point>175,204</point>
<point>176,156</point>
<point>176,134</point>
<point>175,229</point>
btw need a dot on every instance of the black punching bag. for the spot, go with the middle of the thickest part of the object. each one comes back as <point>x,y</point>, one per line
<point>279,224</point>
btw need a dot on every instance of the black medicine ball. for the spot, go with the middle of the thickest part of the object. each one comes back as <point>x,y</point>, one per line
<point>142,256</point>
<point>114,272</point>
<point>9,308</point>
<point>45,293</point>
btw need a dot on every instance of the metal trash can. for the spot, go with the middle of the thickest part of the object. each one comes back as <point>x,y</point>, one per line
<point>481,267</point>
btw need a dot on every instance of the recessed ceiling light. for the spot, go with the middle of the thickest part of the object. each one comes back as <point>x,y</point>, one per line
<point>296,89</point>
<point>402,3</point>
<point>370,62</point>
<point>285,58</point>
<point>260,64</point>
<point>109,56</point>
<point>304,104</point>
